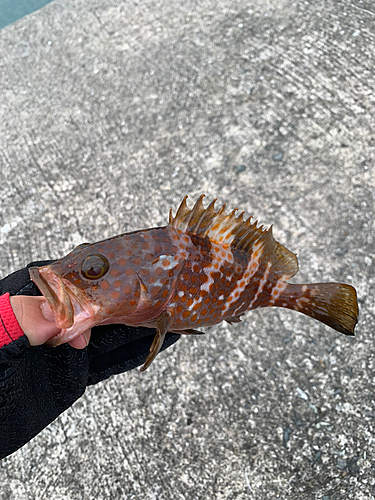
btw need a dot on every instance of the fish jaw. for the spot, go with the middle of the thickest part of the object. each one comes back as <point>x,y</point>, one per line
<point>74,313</point>
<point>54,290</point>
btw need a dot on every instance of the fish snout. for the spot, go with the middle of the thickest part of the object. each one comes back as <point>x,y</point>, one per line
<point>54,290</point>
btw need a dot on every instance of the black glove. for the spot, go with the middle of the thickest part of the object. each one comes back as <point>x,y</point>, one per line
<point>38,383</point>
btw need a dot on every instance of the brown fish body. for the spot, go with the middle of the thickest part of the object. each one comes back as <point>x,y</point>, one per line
<point>201,269</point>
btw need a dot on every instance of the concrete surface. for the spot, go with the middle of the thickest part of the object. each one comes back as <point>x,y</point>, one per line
<point>110,113</point>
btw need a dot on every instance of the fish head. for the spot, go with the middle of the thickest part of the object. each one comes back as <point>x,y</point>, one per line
<point>76,288</point>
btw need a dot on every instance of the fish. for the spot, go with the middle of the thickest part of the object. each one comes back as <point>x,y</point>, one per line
<point>204,267</point>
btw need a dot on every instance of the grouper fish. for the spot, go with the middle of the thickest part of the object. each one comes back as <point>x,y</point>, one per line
<point>203,268</point>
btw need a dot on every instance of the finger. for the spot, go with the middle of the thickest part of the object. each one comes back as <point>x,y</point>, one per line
<point>81,341</point>
<point>36,324</point>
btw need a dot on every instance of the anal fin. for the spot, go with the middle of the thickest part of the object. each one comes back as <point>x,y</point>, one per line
<point>189,331</point>
<point>235,319</point>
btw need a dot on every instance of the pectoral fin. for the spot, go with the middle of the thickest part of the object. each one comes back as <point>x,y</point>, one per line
<point>162,324</point>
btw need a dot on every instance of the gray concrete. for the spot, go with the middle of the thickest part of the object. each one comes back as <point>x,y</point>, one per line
<point>110,113</point>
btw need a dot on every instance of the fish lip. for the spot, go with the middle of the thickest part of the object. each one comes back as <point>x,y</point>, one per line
<point>57,294</point>
<point>74,313</point>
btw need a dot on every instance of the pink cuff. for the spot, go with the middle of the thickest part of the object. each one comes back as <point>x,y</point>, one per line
<point>9,327</point>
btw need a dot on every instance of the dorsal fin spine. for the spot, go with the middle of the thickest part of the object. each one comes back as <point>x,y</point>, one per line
<point>240,234</point>
<point>196,209</point>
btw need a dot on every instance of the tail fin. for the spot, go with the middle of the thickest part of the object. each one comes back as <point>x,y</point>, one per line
<point>331,303</point>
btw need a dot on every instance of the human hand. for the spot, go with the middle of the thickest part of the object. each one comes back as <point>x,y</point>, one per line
<point>37,321</point>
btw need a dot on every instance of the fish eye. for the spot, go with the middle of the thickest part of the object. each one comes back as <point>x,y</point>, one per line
<point>94,266</point>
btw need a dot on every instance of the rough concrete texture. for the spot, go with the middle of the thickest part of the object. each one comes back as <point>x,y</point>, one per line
<point>110,113</point>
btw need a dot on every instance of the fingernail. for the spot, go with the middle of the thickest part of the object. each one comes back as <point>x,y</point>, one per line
<point>47,311</point>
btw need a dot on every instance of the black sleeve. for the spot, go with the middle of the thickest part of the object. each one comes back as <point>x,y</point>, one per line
<point>38,383</point>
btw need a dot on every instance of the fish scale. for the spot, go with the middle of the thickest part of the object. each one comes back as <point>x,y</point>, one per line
<point>204,267</point>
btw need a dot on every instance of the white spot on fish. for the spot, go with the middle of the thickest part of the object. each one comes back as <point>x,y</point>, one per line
<point>208,271</point>
<point>172,259</point>
<point>196,301</point>
<point>301,302</point>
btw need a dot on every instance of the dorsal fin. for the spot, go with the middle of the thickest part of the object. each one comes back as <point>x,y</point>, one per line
<point>240,234</point>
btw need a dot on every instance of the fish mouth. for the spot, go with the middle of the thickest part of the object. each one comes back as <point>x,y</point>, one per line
<point>73,311</point>
<point>56,293</point>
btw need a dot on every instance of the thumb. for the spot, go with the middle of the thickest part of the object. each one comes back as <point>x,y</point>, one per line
<point>35,317</point>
